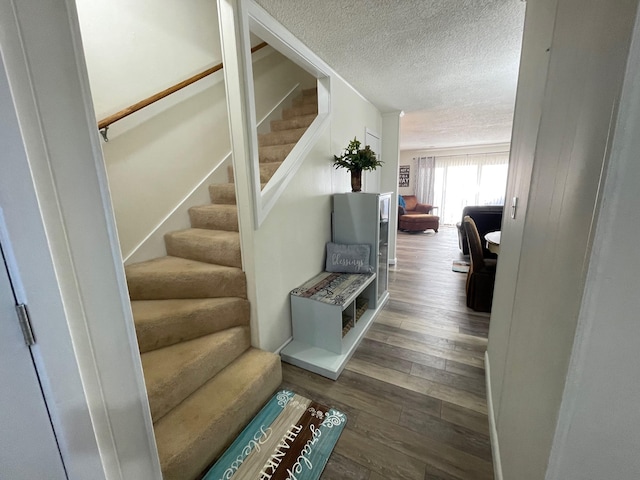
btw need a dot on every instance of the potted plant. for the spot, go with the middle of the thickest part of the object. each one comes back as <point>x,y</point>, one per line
<point>356,159</point>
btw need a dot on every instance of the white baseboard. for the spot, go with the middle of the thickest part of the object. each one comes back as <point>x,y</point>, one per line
<point>287,342</point>
<point>493,431</point>
<point>264,125</point>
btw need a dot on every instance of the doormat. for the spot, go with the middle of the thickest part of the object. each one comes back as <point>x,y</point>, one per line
<point>290,438</point>
<point>460,266</point>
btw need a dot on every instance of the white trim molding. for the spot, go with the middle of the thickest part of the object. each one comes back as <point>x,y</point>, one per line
<point>493,430</point>
<point>461,150</point>
<point>286,342</point>
<point>55,197</point>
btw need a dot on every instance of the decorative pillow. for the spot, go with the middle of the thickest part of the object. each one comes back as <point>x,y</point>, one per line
<point>348,258</point>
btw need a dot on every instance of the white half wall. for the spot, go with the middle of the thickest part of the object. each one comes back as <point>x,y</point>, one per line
<point>290,245</point>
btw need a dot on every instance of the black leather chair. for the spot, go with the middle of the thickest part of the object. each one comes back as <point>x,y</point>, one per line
<point>482,272</point>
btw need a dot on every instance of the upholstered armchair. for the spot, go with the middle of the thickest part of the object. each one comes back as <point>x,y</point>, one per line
<point>415,217</point>
<point>413,207</point>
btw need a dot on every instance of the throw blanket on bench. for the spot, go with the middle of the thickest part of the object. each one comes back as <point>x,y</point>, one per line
<point>332,288</point>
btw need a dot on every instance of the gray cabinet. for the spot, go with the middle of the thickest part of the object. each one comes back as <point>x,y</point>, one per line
<point>364,218</point>
<point>332,312</point>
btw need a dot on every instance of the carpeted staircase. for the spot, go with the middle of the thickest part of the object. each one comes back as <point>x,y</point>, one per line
<point>204,380</point>
<point>277,144</point>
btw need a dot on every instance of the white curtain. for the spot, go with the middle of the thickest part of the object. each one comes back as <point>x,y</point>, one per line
<point>425,177</point>
<point>462,180</point>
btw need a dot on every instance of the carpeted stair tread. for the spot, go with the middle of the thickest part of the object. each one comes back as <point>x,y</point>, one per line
<point>274,153</point>
<point>173,277</point>
<point>288,113</point>
<point>215,217</point>
<point>305,100</point>
<point>195,433</point>
<point>267,170</point>
<point>204,380</point>
<point>283,137</point>
<point>223,193</point>
<point>297,122</point>
<point>212,246</point>
<point>173,373</point>
<point>160,323</point>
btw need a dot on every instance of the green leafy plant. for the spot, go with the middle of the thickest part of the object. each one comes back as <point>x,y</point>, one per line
<point>356,159</point>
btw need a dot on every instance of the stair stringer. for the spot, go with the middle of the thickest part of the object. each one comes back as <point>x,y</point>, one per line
<point>153,244</point>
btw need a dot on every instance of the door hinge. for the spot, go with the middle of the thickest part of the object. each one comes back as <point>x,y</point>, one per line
<point>25,324</point>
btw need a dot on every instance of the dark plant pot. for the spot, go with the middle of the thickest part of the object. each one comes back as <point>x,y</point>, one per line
<point>356,180</point>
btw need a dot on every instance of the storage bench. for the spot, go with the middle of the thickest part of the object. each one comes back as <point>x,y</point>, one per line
<point>330,314</point>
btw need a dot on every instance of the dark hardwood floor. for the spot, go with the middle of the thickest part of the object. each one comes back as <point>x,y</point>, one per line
<point>414,391</point>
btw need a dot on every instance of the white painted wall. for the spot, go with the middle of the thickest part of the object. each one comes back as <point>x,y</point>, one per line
<point>156,157</point>
<point>290,245</point>
<point>541,276</point>
<point>389,174</point>
<point>599,426</point>
<point>351,114</point>
<point>407,158</point>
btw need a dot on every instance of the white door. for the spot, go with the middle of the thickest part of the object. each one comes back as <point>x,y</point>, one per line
<point>28,447</point>
<point>371,179</point>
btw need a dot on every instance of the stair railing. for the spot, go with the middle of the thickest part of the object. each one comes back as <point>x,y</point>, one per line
<point>103,125</point>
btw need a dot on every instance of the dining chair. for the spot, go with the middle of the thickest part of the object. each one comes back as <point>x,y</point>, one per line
<point>482,271</point>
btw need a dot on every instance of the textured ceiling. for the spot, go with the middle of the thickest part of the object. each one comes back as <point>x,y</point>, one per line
<point>450,65</point>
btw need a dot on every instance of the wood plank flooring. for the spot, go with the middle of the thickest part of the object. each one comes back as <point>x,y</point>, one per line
<point>414,391</point>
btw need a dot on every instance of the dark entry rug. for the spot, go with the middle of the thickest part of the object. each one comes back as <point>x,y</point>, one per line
<point>291,438</point>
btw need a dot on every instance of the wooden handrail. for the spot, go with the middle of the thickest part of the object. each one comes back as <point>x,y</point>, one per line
<point>103,124</point>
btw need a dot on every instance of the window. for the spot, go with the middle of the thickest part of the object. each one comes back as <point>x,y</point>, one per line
<point>463,180</point>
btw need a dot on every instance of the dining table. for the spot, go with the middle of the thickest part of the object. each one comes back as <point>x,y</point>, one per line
<point>493,241</point>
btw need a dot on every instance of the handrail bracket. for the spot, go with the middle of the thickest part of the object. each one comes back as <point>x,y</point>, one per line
<point>103,132</point>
